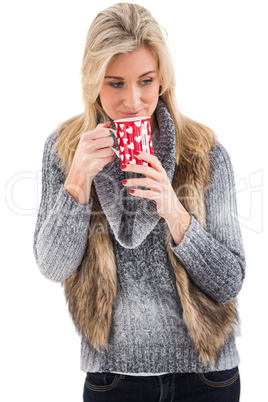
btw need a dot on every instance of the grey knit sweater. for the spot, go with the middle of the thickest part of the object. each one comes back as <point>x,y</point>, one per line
<point>148,334</point>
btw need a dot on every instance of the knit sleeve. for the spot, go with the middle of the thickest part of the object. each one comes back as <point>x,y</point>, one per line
<point>61,230</point>
<point>214,258</point>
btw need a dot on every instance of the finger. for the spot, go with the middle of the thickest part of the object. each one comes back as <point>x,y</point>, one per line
<point>101,153</point>
<point>101,126</point>
<point>149,194</point>
<point>142,169</point>
<point>100,132</point>
<point>152,159</point>
<point>143,182</point>
<point>94,145</point>
<point>106,124</point>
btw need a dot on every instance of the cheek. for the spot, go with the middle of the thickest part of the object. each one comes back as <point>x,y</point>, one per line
<point>108,100</point>
<point>153,92</point>
<point>152,96</point>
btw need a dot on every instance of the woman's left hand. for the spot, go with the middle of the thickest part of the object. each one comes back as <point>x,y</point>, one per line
<point>157,181</point>
<point>161,191</point>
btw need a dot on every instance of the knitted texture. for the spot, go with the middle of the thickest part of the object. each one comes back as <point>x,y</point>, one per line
<point>148,333</point>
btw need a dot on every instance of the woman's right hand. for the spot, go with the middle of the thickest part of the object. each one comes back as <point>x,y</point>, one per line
<point>92,154</point>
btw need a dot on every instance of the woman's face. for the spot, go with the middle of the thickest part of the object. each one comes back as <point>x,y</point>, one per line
<point>131,85</point>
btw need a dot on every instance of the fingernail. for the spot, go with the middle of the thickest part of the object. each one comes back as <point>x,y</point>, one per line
<point>124,181</point>
<point>123,166</point>
<point>136,152</point>
<point>132,191</point>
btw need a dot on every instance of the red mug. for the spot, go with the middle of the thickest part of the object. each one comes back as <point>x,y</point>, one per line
<point>133,134</point>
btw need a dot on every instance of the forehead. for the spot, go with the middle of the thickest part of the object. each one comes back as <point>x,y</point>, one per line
<point>138,61</point>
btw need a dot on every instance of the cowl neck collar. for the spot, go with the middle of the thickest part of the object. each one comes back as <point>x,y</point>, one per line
<point>132,218</point>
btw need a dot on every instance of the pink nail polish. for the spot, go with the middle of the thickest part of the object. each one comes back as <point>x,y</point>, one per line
<point>124,181</point>
<point>132,191</point>
<point>136,152</point>
<point>123,166</point>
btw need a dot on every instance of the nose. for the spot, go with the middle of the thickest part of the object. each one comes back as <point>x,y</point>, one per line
<point>132,98</point>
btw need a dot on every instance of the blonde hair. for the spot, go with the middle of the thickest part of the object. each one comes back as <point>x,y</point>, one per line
<point>123,28</point>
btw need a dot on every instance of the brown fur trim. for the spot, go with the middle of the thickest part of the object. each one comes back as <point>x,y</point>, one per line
<point>209,323</point>
<point>92,289</point>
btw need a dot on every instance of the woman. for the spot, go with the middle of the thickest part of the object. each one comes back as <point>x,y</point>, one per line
<point>151,258</point>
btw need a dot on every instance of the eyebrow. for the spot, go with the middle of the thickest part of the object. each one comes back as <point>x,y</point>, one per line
<point>121,78</point>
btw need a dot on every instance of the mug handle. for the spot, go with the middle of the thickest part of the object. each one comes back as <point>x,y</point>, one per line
<point>115,150</point>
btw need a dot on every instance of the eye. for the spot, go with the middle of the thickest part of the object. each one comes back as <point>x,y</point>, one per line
<point>147,81</point>
<point>118,84</point>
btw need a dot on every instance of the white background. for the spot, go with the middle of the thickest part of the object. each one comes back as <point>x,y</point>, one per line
<point>220,55</point>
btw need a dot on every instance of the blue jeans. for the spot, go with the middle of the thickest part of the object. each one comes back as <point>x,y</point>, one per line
<point>216,386</point>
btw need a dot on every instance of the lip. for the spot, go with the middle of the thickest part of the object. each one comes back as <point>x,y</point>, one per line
<point>132,114</point>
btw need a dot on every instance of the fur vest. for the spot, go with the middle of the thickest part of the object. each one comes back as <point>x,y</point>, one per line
<point>92,288</point>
